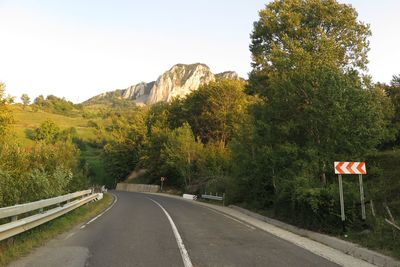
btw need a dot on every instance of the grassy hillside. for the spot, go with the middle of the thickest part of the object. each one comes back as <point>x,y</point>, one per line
<point>27,120</point>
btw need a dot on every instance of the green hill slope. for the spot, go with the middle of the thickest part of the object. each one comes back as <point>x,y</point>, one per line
<point>27,120</point>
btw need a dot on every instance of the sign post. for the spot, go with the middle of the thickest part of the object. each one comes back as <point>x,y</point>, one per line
<point>363,215</point>
<point>162,179</point>
<point>350,168</point>
<point>343,216</point>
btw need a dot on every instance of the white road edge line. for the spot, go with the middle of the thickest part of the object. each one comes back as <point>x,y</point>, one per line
<point>185,256</point>
<point>230,217</point>
<point>101,214</point>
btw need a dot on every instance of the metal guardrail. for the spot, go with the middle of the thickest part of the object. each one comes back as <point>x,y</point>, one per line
<point>16,226</point>
<point>214,197</point>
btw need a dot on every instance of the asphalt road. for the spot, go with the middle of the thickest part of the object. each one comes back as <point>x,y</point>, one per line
<point>137,232</point>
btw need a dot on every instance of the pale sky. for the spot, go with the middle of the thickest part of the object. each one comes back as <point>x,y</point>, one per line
<point>77,49</point>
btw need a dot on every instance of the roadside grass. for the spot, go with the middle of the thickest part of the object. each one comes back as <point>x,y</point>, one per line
<point>24,243</point>
<point>382,239</point>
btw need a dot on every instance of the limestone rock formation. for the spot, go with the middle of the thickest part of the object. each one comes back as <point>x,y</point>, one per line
<point>138,92</point>
<point>177,82</point>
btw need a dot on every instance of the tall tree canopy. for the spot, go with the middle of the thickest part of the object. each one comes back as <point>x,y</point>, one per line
<point>316,106</point>
<point>25,99</point>
<point>216,110</point>
<point>295,34</point>
<point>5,114</point>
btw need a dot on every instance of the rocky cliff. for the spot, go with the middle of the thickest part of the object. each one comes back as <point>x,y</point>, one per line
<point>178,81</point>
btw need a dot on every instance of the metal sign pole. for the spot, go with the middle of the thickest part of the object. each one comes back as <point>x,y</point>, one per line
<point>360,179</point>
<point>162,182</point>
<point>342,202</point>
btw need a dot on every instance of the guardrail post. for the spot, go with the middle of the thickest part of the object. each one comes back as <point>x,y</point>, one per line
<point>223,199</point>
<point>10,241</point>
<point>41,210</point>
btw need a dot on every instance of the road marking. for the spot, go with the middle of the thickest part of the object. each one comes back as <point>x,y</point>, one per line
<point>230,217</point>
<point>70,235</point>
<point>101,214</point>
<point>185,256</point>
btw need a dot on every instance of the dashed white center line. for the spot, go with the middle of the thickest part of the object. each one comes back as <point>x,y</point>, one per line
<point>185,256</point>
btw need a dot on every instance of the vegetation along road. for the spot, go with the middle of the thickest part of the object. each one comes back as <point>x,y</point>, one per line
<point>137,231</point>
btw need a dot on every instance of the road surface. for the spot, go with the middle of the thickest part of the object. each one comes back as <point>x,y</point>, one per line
<point>139,231</point>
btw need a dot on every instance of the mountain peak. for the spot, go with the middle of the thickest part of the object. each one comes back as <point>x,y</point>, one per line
<point>189,66</point>
<point>178,81</point>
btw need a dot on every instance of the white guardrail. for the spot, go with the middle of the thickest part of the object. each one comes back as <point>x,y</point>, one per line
<point>213,197</point>
<point>64,203</point>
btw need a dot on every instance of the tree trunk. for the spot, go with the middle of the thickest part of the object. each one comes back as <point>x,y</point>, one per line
<point>323,175</point>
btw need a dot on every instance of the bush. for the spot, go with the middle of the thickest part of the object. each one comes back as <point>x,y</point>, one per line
<point>42,171</point>
<point>9,190</point>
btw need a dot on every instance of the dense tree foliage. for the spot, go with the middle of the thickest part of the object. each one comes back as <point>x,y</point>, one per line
<point>182,152</point>
<point>40,171</point>
<point>5,114</point>
<point>315,108</point>
<point>47,131</point>
<point>50,167</point>
<point>56,105</point>
<point>294,34</point>
<point>25,100</point>
<point>125,133</point>
<point>216,111</point>
<point>393,92</point>
<point>184,140</point>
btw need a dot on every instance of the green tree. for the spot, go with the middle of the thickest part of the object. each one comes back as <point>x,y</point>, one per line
<point>297,34</point>
<point>181,152</point>
<point>41,171</point>
<point>25,100</point>
<point>39,100</point>
<point>56,105</point>
<point>393,92</point>
<point>395,82</point>
<point>216,110</point>
<point>120,159</point>
<point>306,58</point>
<point>47,131</point>
<point>126,136</point>
<point>6,117</point>
<point>315,107</point>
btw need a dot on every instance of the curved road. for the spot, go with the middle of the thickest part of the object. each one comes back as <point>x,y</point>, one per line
<point>137,232</point>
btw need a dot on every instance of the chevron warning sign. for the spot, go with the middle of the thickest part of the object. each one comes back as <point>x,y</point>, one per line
<point>343,167</point>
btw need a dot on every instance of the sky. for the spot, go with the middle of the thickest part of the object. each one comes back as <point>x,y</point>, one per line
<point>77,49</point>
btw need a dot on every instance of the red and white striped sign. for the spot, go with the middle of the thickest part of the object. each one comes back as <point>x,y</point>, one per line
<point>342,167</point>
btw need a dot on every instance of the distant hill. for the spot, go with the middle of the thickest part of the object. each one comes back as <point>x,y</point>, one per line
<point>178,81</point>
